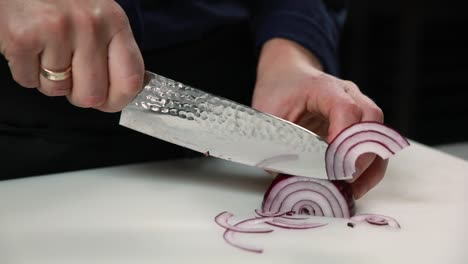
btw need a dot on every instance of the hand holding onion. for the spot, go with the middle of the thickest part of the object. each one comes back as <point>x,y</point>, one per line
<point>292,86</point>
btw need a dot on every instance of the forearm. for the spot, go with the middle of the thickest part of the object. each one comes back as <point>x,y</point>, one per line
<point>277,51</point>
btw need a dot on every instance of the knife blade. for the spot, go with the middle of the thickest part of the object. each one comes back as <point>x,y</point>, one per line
<point>210,124</point>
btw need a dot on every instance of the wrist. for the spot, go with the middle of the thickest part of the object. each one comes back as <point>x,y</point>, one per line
<point>279,51</point>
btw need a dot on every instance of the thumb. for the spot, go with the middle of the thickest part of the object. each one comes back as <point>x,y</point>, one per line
<point>126,71</point>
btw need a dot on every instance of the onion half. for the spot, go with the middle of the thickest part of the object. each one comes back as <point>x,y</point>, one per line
<point>307,196</point>
<point>360,138</point>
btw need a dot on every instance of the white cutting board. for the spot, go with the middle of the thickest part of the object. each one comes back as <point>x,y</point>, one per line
<point>163,213</point>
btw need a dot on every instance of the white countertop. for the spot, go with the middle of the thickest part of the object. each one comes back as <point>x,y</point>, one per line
<point>163,213</point>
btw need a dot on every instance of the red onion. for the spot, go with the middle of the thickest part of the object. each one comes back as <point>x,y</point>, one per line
<point>264,214</point>
<point>308,196</point>
<point>376,219</point>
<point>295,223</point>
<point>249,226</point>
<point>223,220</point>
<point>290,201</point>
<point>229,234</point>
<point>360,138</point>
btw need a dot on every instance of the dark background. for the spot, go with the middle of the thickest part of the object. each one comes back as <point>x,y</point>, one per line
<point>411,58</point>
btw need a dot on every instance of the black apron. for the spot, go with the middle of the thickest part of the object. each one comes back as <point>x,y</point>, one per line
<point>43,135</point>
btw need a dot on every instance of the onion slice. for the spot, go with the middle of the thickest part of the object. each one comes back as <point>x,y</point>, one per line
<point>376,219</point>
<point>360,138</point>
<point>268,214</point>
<point>295,223</point>
<point>245,225</point>
<point>229,238</point>
<point>222,220</point>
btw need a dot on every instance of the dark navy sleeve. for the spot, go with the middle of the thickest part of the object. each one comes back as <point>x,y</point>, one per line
<point>315,24</point>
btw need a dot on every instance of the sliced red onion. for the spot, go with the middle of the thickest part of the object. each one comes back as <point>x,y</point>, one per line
<point>309,196</point>
<point>245,225</point>
<point>250,224</point>
<point>296,226</point>
<point>222,220</point>
<point>360,138</point>
<point>295,223</point>
<point>376,219</point>
<point>229,238</point>
<point>268,214</point>
<point>290,201</point>
<point>295,217</point>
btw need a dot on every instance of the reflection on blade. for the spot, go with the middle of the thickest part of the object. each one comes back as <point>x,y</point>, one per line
<point>203,122</point>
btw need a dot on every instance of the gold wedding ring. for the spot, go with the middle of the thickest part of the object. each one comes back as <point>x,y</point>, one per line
<point>56,75</point>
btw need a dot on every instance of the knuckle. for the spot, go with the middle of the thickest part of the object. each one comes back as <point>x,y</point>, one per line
<point>133,86</point>
<point>20,41</point>
<point>56,23</point>
<point>118,15</point>
<point>353,109</point>
<point>89,22</point>
<point>377,113</point>
<point>351,85</point>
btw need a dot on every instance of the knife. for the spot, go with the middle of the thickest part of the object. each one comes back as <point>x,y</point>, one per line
<point>218,127</point>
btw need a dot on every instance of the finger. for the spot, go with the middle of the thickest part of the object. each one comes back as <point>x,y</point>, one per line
<point>344,114</point>
<point>57,57</point>
<point>370,112</point>
<point>369,178</point>
<point>25,69</point>
<point>334,104</point>
<point>126,71</point>
<point>22,50</point>
<point>89,65</point>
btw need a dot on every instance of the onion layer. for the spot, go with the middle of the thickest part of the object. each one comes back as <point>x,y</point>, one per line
<point>295,223</point>
<point>250,226</point>
<point>223,220</point>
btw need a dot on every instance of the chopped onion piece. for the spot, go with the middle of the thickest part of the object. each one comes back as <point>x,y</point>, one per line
<point>222,220</point>
<point>376,219</point>
<point>295,223</point>
<point>229,238</point>
<point>267,214</point>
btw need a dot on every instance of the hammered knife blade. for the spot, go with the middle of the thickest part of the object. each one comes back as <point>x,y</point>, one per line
<point>189,117</point>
